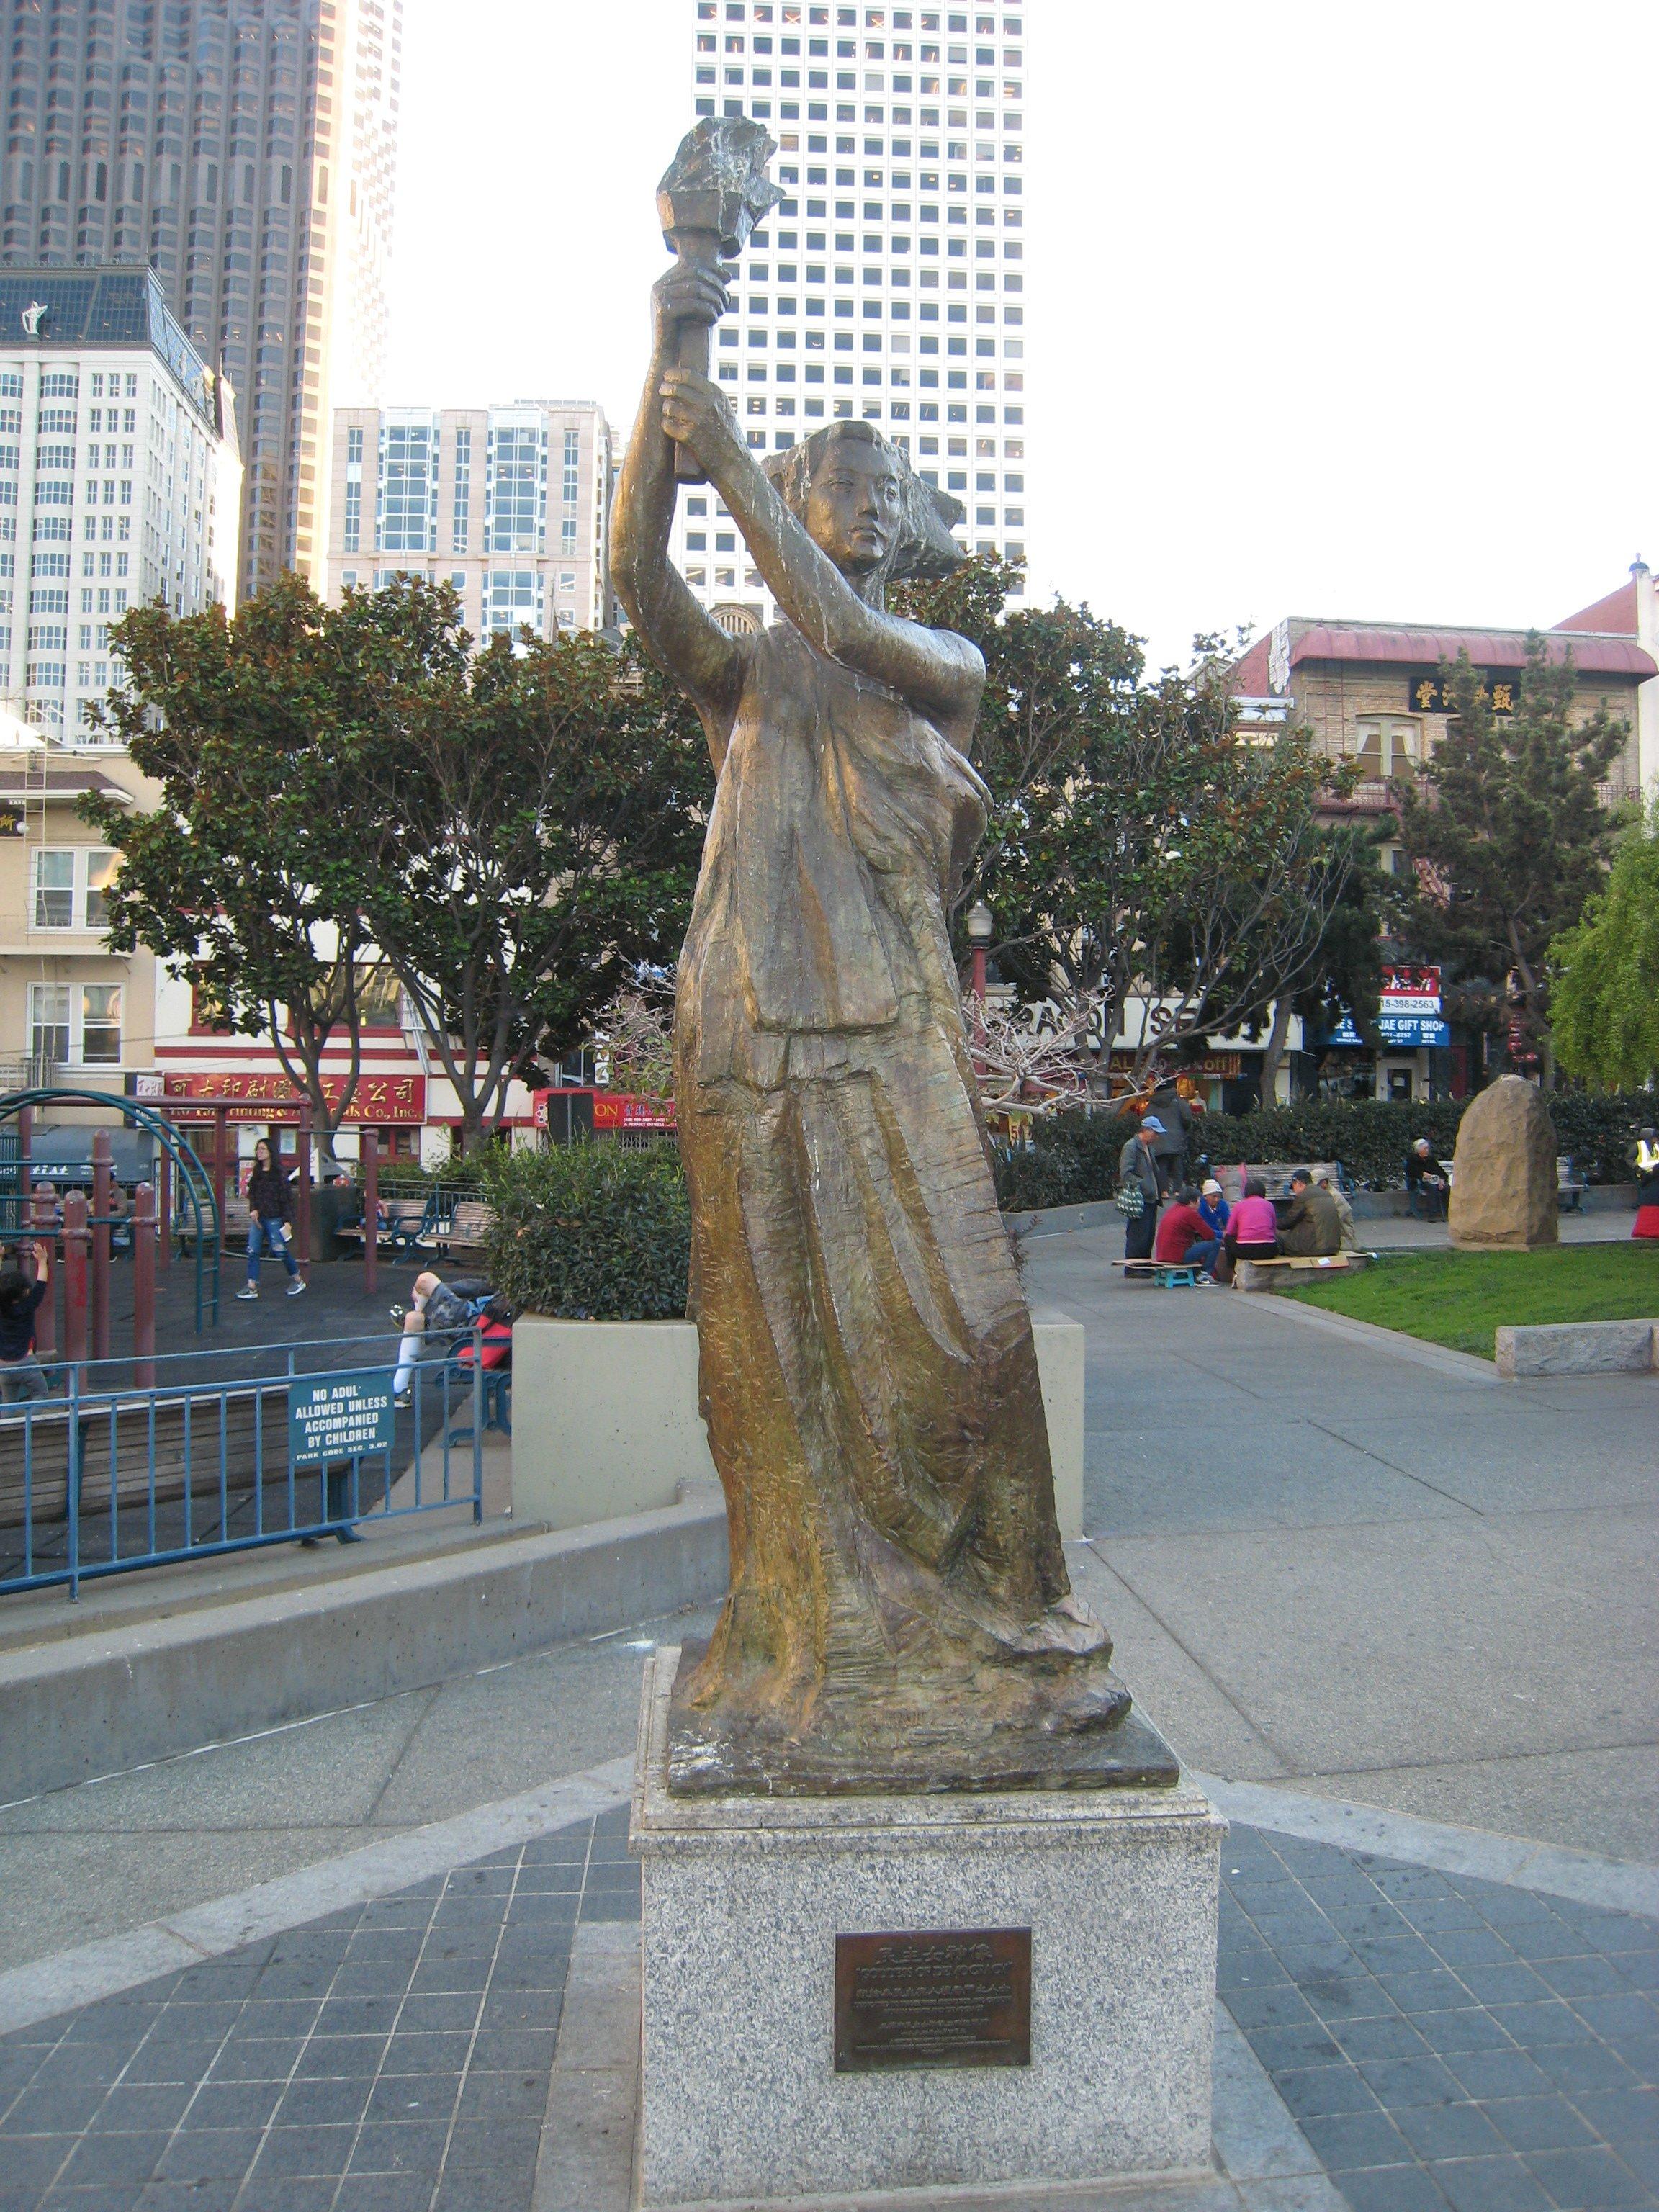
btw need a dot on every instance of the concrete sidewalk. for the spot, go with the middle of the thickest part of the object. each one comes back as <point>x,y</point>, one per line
<point>1333,1555</point>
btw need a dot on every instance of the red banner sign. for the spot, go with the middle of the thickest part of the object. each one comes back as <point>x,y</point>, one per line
<point>378,1100</point>
<point>612,1109</point>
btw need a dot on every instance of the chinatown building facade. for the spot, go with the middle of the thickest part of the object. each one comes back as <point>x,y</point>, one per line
<point>1372,694</point>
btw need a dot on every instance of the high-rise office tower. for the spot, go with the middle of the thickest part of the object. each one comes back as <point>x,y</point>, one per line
<point>246,149</point>
<point>890,282</point>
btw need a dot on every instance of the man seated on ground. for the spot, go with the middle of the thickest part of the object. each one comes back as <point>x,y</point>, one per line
<point>1427,1184</point>
<point>1350,1238</point>
<point>1182,1240</point>
<point>1310,1227</point>
<point>1252,1233</point>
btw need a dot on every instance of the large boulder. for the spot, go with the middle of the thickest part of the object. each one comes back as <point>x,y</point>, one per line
<point>1504,1178</point>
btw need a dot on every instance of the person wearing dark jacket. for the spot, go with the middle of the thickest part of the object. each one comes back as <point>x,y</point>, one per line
<point>1137,1167</point>
<point>1175,1120</point>
<point>1427,1185</point>
<point>269,1229</point>
<point>22,1374</point>
<point>1310,1228</point>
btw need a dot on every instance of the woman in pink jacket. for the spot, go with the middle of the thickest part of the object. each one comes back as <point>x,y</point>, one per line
<point>1252,1231</point>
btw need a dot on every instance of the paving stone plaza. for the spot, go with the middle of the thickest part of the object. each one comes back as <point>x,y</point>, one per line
<point>1342,1574</point>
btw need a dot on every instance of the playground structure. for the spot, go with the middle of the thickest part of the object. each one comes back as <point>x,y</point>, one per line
<point>33,1211</point>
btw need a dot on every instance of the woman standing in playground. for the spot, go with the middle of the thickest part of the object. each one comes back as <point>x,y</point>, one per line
<point>268,1228</point>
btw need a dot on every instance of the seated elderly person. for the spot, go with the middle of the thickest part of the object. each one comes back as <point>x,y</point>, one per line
<point>1252,1231</point>
<point>1184,1240</point>
<point>1310,1228</point>
<point>1350,1238</point>
<point>1428,1186</point>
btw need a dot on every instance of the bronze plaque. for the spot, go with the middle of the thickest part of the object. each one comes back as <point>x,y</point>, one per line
<point>954,1997</point>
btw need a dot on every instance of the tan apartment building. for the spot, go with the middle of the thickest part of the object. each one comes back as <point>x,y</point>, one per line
<point>1371,694</point>
<point>72,1013</point>
<point>511,505</point>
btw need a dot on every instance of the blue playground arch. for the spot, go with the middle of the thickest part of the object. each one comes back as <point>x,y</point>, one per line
<point>192,1184</point>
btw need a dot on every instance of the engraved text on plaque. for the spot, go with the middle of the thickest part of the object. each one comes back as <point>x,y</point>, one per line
<point>958,1997</point>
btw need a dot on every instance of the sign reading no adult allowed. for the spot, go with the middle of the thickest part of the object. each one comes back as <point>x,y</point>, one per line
<point>340,1416</point>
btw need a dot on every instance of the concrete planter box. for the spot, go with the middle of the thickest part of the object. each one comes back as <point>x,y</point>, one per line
<point>605,1421</point>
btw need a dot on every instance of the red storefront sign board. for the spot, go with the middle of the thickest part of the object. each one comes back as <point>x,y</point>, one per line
<point>380,1101</point>
<point>612,1109</point>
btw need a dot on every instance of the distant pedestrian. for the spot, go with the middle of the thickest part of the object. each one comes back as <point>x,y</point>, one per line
<point>1427,1184</point>
<point>1647,1185</point>
<point>22,1294</point>
<point>1139,1189</point>
<point>1310,1227</point>
<point>1252,1233</point>
<point>1175,1122</point>
<point>270,1227</point>
<point>1182,1240</point>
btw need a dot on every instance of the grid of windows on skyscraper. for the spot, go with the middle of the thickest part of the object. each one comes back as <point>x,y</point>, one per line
<point>890,282</point>
<point>409,488</point>
<point>516,495</point>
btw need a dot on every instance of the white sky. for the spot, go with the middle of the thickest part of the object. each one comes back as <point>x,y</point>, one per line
<point>1335,309</point>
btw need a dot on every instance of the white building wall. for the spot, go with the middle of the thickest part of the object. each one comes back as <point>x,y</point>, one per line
<point>115,490</point>
<point>890,282</point>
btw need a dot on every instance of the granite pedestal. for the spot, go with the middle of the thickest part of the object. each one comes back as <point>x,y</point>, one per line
<point>745,1897</point>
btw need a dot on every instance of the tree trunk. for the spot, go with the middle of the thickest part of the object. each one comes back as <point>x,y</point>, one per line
<point>1273,1055</point>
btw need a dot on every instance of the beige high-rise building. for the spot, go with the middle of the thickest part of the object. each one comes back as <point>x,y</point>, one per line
<point>246,150</point>
<point>509,504</point>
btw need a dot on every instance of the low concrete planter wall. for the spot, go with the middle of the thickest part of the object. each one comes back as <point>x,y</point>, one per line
<point>1579,1347</point>
<point>605,1421</point>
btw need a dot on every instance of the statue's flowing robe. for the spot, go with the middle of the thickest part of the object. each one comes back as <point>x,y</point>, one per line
<point>867,1371</point>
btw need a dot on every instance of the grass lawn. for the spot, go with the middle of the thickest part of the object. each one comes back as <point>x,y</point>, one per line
<point>1458,1298</point>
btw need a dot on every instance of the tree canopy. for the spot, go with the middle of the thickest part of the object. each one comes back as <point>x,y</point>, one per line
<point>512,830</point>
<point>1604,974</point>
<point>1142,845</point>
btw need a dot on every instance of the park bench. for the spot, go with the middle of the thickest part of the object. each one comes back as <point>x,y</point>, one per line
<point>471,1224</point>
<point>1276,1175</point>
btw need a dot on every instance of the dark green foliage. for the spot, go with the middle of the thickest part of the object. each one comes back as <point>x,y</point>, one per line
<point>591,1232</point>
<point>1137,846</point>
<point>1073,1159</point>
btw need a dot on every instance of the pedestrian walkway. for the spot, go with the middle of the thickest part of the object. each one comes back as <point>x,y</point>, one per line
<point>1337,1557</point>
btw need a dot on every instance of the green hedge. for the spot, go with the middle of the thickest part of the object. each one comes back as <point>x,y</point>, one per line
<point>1073,1159</point>
<point>591,1232</point>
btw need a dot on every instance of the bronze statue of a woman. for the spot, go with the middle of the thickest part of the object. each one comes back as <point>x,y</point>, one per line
<point>900,1613</point>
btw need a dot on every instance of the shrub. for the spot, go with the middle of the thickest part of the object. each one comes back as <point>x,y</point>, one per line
<point>1071,1159</point>
<point>591,1232</point>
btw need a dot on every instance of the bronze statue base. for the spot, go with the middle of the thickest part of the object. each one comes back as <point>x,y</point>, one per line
<point>1065,1726</point>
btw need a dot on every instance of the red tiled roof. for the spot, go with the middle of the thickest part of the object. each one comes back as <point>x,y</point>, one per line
<point>1617,613</point>
<point>1486,648</point>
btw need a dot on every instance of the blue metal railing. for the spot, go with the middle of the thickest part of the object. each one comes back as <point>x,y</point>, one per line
<point>105,1478</point>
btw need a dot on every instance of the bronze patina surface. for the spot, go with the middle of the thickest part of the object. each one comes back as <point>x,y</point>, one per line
<point>944,1997</point>
<point>900,1615</point>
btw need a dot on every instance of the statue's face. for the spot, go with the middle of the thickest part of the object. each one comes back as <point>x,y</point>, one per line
<point>853,507</point>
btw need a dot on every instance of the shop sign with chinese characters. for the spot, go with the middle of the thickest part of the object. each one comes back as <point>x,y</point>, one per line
<point>1500,687</point>
<point>378,1100</point>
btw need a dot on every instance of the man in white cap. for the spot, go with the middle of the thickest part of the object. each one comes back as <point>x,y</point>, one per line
<point>1137,1168</point>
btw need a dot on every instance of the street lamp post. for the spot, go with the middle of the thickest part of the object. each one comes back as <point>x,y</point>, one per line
<point>980,923</point>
